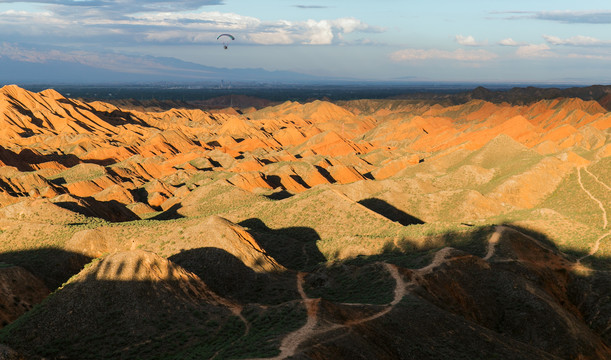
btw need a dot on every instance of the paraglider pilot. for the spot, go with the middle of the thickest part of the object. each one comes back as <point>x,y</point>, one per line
<point>226,38</point>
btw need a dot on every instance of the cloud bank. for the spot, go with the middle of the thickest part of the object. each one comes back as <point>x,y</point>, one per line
<point>429,54</point>
<point>576,17</point>
<point>562,16</point>
<point>201,27</point>
<point>534,51</point>
<point>99,7</point>
<point>143,22</point>
<point>578,40</point>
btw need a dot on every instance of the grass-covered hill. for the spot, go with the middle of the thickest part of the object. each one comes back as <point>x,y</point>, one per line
<point>362,229</point>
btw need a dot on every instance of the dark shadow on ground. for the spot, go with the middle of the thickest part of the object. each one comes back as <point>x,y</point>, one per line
<point>274,181</point>
<point>115,117</point>
<point>279,195</point>
<point>293,247</point>
<point>466,307</point>
<point>326,174</point>
<point>388,211</point>
<point>112,210</point>
<point>54,266</point>
<point>169,214</point>
<point>229,277</point>
<point>24,160</point>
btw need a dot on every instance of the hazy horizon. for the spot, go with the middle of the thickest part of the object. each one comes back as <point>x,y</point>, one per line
<point>473,41</point>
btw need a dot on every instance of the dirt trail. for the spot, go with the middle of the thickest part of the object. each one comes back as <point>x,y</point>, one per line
<point>400,292</point>
<point>597,180</point>
<point>596,246</point>
<point>600,204</point>
<point>312,327</point>
<point>594,249</point>
<point>292,341</point>
<point>237,311</point>
<point>441,257</point>
<point>494,239</point>
<point>400,284</point>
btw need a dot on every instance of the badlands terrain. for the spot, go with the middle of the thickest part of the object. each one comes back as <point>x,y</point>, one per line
<point>365,229</point>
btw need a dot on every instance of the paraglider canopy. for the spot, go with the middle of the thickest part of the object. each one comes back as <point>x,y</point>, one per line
<point>225,38</point>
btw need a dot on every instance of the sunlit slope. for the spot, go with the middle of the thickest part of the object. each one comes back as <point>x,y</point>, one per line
<point>151,161</point>
<point>316,230</point>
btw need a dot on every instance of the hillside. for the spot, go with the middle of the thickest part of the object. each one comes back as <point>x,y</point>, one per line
<point>519,95</point>
<point>359,229</point>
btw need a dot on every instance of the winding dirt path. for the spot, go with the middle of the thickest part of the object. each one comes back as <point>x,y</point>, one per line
<point>440,257</point>
<point>600,204</point>
<point>596,246</point>
<point>597,180</point>
<point>594,249</point>
<point>400,292</point>
<point>291,342</point>
<point>400,284</point>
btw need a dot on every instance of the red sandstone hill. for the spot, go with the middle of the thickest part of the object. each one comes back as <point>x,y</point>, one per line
<point>316,230</point>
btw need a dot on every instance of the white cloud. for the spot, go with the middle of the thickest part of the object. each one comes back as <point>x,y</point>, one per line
<point>34,26</point>
<point>182,27</point>
<point>16,18</point>
<point>578,40</point>
<point>468,41</point>
<point>281,32</point>
<point>177,36</point>
<point>349,25</point>
<point>426,54</point>
<point>278,37</point>
<point>201,20</point>
<point>316,33</point>
<point>118,7</point>
<point>534,51</point>
<point>510,42</point>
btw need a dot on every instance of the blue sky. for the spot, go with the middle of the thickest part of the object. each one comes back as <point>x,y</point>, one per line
<point>434,40</point>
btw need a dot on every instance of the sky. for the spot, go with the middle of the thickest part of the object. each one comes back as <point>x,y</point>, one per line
<point>553,41</point>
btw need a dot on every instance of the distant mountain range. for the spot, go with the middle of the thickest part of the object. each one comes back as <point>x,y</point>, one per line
<point>516,95</point>
<point>36,67</point>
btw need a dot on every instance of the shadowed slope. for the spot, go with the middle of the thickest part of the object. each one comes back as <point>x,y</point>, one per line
<point>459,305</point>
<point>19,292</point>
<point>315,230</point>
<point>517,304</point>
<point>118,304</point>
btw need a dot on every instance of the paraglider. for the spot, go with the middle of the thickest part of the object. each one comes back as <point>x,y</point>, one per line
<point>225,39</point>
